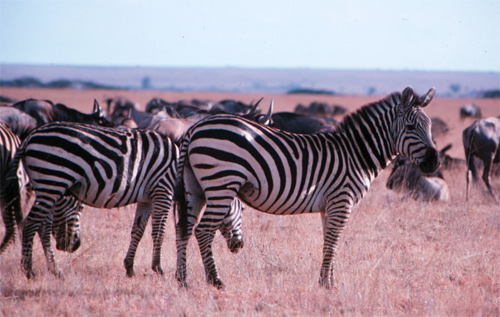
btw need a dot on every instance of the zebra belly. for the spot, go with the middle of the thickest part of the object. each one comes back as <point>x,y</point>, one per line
<point>119,190</point>
<point>307,201</point>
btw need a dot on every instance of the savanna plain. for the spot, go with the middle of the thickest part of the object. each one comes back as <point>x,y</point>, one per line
<point>397,256</point>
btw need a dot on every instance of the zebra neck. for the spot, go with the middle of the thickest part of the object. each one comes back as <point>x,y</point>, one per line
<point>367,133</point>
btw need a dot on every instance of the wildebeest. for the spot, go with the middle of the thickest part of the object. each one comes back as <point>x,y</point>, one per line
<point>406,177</point>
<point>295,122</point>
<point>17,121</point>
<point>470,111</point>
<point>320,109</point>
<point>439,127</point>
<point>482,140</point>
<point>45,111</point>
<point>448,162</point>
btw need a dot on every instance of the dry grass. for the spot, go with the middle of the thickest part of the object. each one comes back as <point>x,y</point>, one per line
<point>396,257</point>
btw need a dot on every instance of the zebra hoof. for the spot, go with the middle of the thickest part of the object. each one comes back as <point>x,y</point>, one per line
<point>236,245</point>
<point>30,274</point>
<point>216,282</point>
<point>182,284</point>
<point>326,283</point>
<point>130,272</point>
<point>158,270</point>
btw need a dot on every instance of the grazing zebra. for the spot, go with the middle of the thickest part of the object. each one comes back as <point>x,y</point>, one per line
<point>283,173</point>
<point>100,167</point>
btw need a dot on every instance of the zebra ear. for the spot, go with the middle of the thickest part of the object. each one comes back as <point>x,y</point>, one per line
<point>406,98</point>
<point>428,97</point>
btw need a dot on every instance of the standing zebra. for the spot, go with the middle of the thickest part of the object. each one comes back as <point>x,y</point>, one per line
<point>100,167</point>
<point>9,143</point>
<point>66,213</point>
<point>71,164</point>
<point>282,173</point>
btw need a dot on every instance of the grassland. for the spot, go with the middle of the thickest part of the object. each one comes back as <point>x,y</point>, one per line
<point>397,256</point>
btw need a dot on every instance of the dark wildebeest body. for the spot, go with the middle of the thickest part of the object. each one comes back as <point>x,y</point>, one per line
<point>482,140</point>
<point>45,111</point>
<point>17,121</point>
<point>298,123</point>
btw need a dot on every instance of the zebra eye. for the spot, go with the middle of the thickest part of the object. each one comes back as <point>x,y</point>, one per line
<point>410,126</point>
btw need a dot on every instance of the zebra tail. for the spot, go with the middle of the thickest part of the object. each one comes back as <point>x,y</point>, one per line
<point>10,201</point>
<point>180,201</point>
<point>180,205</point>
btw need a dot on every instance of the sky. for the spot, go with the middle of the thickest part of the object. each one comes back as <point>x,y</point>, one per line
<point>437,35</point>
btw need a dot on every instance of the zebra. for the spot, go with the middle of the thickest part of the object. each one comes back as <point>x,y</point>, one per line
<point>67,211</point>
<point>281,173</point>
<point>100,167</point>
<point>69,164</point>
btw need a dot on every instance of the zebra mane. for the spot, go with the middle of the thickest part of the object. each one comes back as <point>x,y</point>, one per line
<point>368,110</point>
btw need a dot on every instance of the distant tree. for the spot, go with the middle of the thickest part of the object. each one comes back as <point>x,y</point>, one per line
<point>146,83</point>
<point>455,88</point>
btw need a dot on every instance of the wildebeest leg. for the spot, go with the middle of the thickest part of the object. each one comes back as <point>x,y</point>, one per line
<point>141,219</point>
<point>467,181</point>
<point>486,174</point>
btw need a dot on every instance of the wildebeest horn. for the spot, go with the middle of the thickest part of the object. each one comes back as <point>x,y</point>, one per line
<point>253,110</point>
<point>265,119</point>
<point>97,107</point>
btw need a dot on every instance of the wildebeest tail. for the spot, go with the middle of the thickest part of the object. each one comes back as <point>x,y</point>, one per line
<point>467,140</point>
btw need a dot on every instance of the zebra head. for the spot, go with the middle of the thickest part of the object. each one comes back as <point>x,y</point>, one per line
<point>66,226</point>
<point>412,131</point>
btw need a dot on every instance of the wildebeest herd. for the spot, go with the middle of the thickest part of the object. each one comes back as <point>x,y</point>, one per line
<point>206,160</point>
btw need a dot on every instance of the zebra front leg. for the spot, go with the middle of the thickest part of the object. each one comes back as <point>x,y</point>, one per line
<point>333,225</point>
<point>142,213</point>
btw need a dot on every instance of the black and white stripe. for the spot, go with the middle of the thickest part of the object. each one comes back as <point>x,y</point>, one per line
<point>9,143</point>
<point>99,167</point>
<point>66,228</point>
<point>224,157</point>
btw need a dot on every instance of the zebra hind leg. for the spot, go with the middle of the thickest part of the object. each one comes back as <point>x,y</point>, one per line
<point>161,208</point>
<point>141,219</point>
<point>205,233</point>
<point>189,206</point>
<point>10,229</point>
<point>30,227</point>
